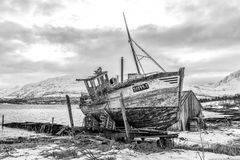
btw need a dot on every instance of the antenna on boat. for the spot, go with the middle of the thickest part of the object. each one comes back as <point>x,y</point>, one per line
<point>136,59</point>
<point>131,44</point>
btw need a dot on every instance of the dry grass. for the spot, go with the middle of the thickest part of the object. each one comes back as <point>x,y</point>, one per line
<point>65,154</point>
<point>146,147</point>
<point>216,148</point>
<point>61,154</point>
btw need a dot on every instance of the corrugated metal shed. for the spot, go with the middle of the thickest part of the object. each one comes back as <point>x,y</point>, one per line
<point>189,109</point>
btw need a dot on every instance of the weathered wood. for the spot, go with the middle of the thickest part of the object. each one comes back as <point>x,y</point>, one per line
<point>159,100</point>
<point>145,78</point>
<point>90,122</point>
<point>126,125</point>
<point>52,124</point>
<point>70,113</point>
<point>52,120</point>
<point>60,132</point>
<point>106,121</point>
<point>40,127</point>
<point>2,121</point>
<point>122,67</point>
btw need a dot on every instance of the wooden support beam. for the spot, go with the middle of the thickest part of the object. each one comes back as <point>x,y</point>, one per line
<point>122,69</point>
<point>70,113</point>
<point>52,125</point>
<point>126,125</point>
<point>2,121</point>
<point>52,120</point>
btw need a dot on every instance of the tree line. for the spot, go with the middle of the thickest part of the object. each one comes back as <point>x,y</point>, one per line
<point>235,97</point>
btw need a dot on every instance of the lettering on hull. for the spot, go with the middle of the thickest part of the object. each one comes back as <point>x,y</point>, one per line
<point>140,87</point>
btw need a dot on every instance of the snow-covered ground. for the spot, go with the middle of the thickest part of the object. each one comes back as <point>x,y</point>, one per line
<point>224,136</point>
<point>43,152</point>
<point>208,114</point>
<point>127,154</point>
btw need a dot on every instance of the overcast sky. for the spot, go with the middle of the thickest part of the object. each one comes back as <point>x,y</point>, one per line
<point>47,38</point>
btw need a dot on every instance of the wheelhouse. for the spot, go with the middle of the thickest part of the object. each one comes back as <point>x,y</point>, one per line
<point>97,85</point>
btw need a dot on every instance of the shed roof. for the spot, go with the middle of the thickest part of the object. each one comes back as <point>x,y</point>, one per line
<point>184,96</point>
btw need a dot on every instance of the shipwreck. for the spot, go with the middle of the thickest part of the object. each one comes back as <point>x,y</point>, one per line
<point>144,100</point>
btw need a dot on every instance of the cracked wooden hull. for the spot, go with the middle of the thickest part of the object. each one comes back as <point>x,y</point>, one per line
<point>150,102</point>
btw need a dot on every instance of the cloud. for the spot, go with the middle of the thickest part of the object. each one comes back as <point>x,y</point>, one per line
<point>48,7</point>
<point>27,6</point>
<point>95,43</point>
<point>206,41</point>
<point>192,35</point>
<point>13,31</point>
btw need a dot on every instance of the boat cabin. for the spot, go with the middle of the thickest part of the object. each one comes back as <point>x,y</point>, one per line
<point>97,84</point>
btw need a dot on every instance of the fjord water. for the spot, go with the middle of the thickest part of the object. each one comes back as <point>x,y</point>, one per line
<point>37,113</point>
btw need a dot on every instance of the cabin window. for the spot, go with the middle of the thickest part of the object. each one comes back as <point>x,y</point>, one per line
<point>113,80</point>
<point>99,81</point>
<point>96,82</point>
<point>102,80</point>
<point>105,78</point>
<point>89,84</point>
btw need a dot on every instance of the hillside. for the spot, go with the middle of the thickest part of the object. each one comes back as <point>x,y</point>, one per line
<point>5,92</point>
<point>60,86</point>
<point>230,85</point>
<point>52,87</point>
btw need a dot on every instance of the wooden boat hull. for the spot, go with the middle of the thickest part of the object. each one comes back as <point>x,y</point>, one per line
<point>150,102</point>
<point>158,118</point>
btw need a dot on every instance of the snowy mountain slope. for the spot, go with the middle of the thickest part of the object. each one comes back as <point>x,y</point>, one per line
<point>60,86</point>
<point>52,87</point>
<point>232,78</point>
<point>5,92</point>
<point>230,85</point>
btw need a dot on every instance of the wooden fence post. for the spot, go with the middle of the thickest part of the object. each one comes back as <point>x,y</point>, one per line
<point>126,125</point>
<point>2,121</point>
<point>52,125</point>
<point>70,113</point>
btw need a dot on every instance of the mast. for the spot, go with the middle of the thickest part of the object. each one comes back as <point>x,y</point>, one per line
<point>131,45</point>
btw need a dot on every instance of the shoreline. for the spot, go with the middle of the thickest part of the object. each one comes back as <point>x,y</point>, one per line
<point>39,100</point>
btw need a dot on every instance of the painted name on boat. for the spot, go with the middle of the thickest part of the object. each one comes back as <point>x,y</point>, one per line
<point>140,87</point>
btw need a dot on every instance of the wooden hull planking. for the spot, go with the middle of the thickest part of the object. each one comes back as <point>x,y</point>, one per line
<point>153,106</point>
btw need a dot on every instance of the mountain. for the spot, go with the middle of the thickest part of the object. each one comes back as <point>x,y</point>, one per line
<point>230,85</point>
<point>52,87</point>
<point>60,86</point>
<point>5,92</point>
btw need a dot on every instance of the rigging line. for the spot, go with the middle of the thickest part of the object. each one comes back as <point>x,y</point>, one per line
<point>141,67</point>
<point>148,55</point>
<point>140,64</point>
<point>142,56</point>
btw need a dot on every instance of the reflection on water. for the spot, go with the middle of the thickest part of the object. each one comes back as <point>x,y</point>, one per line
<point>38,113</point>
